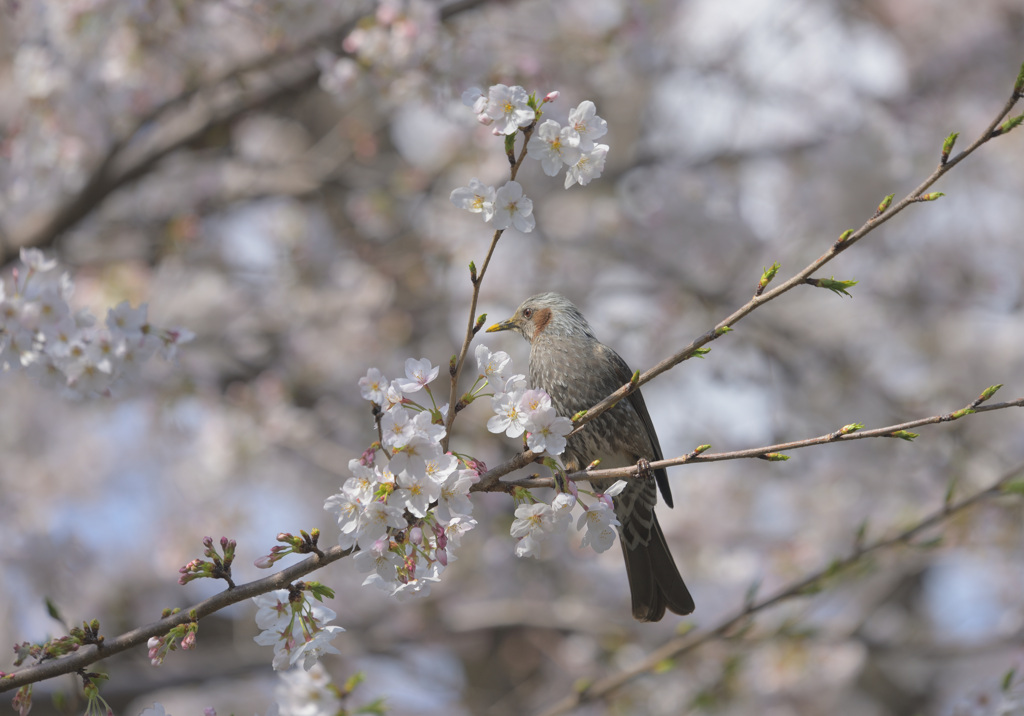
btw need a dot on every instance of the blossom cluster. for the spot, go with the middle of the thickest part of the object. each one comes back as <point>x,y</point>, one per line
<point>406,511</point>
<point>40,333</point>
<point>574,146</point>
<point>295,626</point>
<point>519,410</point>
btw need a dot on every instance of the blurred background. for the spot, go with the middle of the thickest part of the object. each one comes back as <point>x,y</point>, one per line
<point>274,176</point>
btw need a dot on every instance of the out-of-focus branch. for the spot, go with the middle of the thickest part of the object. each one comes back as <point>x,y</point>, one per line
<point>182,119</point>
<point>136,637</point>
<point>689,642</point>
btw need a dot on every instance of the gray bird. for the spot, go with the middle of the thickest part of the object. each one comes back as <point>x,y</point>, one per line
<point>578,371</point>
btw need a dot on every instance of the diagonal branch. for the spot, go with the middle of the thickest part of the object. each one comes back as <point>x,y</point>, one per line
<point>136,637</point>
<point>685,644</point>
<point>844,242</point>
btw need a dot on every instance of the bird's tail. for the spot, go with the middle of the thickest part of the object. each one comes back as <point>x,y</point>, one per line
<point>654,580</point>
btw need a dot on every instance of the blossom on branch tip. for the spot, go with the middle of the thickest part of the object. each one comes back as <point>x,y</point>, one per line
<point>492,365</point>
<point>418,373</point>
<point>475,98</point>
<point>509,108</point>
<point>553,146</point>
<point>477,198</point>
<point>533,525</point>
<point>585,126</point>
<point>589,167</point>
<point>373,386</point>
<point>512,208</point>
<point>601,522</point>
<point>508,418</point>
<point>296,628</point>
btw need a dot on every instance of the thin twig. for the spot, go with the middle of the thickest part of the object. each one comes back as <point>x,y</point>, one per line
<point>837,247</point>
<point>455,371</point>
<point>491,480</point>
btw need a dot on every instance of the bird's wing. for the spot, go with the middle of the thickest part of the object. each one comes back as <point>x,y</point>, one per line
<point>623,375</point>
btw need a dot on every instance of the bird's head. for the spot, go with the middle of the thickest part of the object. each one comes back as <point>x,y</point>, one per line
<point>547,314</point>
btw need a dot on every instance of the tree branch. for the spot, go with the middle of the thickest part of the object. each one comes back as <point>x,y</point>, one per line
<point>182,119</point>
<point>90,655</point>
<point>846,240</point>
<point>491,480</point>
<point>684,644</point>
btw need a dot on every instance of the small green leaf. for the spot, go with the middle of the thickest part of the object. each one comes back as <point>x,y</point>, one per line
<point>960,413</point>
<point>886,203</point>
<point>1011,123</point>
<point>932,196</point>
<point>947,146</point>
<point>1018,86</point>
<point>851,428</point>
<point>903,435</point>
<point>988,392</point>
<point>844,236</point>
<point>835,286</point>
<point>768,275</point>
<point>663,666</point>
<point>722,331</point>
<point>53,610</point>
<point>775,457</point>
<point>700,352</point>
<point>1009,675</point>
<point>1014,487</point>
<point>579,415</point>
<point>701,449</point>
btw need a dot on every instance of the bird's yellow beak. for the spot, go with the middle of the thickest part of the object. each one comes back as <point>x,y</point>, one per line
<point>508,325</point>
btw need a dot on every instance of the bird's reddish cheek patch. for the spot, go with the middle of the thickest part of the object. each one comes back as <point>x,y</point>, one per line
<point>541,319</point>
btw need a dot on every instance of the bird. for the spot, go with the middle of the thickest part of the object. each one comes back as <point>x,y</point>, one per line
<point>578,371</point>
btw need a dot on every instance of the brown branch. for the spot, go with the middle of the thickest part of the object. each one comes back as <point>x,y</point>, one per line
<point>840,245</point>
<point>685,644</point>
<point>136,637</point>
<point>490,481</point>
<point>455,370</point>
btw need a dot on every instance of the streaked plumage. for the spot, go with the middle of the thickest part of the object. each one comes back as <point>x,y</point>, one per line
<point>578,371</point>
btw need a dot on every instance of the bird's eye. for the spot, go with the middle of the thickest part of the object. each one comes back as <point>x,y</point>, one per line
<point>527,312</point>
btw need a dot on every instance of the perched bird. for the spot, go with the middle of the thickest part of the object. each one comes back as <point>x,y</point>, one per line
<point>578,371</point>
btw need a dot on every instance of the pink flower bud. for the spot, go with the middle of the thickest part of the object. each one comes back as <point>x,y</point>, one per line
<point>264,562</point>
<point>442,557</point>
<point>416,535</point>
<point>551,96</point>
